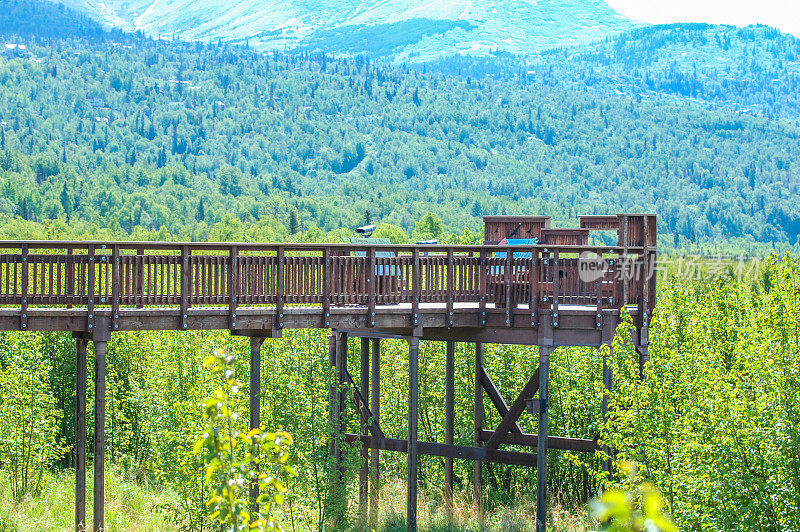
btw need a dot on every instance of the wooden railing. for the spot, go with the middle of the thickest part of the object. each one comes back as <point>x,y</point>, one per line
<point>189,275</point>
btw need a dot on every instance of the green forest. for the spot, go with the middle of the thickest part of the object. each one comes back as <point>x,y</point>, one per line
<point>112,135</point>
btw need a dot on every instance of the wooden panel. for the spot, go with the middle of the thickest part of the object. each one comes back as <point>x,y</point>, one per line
<point>600,223</point>
<point>496,228</point>
<point>565,237</point>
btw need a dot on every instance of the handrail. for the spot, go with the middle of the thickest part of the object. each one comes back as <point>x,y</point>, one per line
<point>183,275</point>
<point>255,246</point>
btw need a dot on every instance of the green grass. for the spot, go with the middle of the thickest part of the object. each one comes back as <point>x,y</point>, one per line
<point>132,506</point>
<point>129,505</point>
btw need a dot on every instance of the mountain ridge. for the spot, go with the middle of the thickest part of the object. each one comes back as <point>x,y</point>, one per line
<point>416,30</point>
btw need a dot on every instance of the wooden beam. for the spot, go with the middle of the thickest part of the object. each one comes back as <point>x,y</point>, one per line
<point>553,442</point>
<point>80,435</point>
<point>516,409</point>
<point>462,452</point>
<point>497,398</point>
<point>364,411</point>
<point>413,413</point>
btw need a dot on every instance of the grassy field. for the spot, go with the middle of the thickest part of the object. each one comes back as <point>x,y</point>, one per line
<point>131,506</point>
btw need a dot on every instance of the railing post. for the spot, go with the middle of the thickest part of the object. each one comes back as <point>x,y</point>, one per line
<point>555,287</point>
<point>139,284</point>
<point>417,288</point>
<point>508,277</point>
<point>90,288</point>
<point>233,284</point>
<point>484,274</point>
<point>23,307</point>
<point>326,287</point>
<point>115,287</point>
<point>186,285</point>
<point>450,287</point>
<point>371,288</point>
<point>533,296</point>
<point>70,272</point>
<point>279,297</point>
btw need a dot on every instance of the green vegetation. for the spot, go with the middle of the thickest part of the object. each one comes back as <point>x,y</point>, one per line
<point>110,135</point>
<point>121,135</point>
<point>717,411</point>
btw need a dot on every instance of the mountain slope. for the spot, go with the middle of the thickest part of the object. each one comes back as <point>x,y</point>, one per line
<point>752,70</point>
<point>415,29</point>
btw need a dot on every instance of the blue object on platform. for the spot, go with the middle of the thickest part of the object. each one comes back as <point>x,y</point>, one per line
<point>498,270</point>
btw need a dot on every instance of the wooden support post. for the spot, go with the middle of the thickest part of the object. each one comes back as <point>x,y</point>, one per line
<point>413,406</point>
<point>335,503</point>
<point>644,358</point>
<point>541,448</point>
<point>449,415</point>
<point>608,382</point>
<point>376,409</point>
<point>98,522</point>
<point>255,405</point>
<point>477,466</point>
<point>363,476</point>
<point>80,435</point>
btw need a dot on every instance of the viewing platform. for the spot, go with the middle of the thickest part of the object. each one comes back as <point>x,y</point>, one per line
<point>507,293</point>
<point>528,284</point>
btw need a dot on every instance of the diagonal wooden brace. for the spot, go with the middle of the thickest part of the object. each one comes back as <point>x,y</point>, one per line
<point>510,419</point>
<point>497,398</point>
<point>363,409</point>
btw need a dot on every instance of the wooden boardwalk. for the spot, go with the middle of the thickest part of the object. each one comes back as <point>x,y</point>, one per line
<point>560,292</point>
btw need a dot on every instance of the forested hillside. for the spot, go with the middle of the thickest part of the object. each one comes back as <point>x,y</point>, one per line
<point>753,70</point>
<point>123,132</point>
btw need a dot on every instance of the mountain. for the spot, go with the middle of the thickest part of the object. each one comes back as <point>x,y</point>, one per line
<point>403,29</point>
<point>752,70</point>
